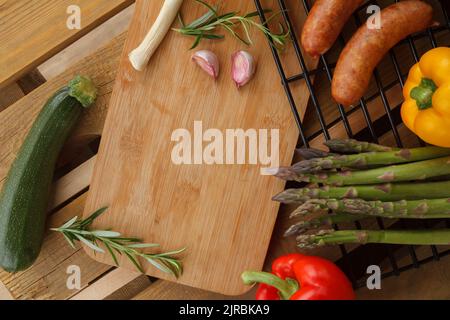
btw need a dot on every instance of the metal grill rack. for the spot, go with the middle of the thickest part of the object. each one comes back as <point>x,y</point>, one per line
<point>355,262</point>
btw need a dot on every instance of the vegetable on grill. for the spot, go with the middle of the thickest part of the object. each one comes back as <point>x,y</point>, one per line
<point>355,146</point>
<point>325,220</point>
<point>382,192</point>
<point>426,108</point>
<point>349,188</point>
<point>405,237</point>
<point>409,209</point>
<point>421,170</point>
<point>366,160</point>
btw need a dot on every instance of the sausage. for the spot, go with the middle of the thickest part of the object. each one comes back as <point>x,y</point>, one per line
<point>324,24</point>
<point>368,46</point>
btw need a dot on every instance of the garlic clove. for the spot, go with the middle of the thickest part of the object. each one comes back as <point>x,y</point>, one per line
<point>208,61</point>
<point>243,68</point>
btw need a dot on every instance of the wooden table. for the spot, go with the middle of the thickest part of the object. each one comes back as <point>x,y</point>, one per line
<point>41,55</point>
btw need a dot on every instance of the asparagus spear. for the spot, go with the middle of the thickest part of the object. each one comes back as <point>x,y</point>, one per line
<point>406,237</point>
<point>326,220</point>
<point>382,192</point>
<point>404,209</point>
<point>354,146</point>
<point>311,153</point>
<point>365,160</point>
<point>403,172</point>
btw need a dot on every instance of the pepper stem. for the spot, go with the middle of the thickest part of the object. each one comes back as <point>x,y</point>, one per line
<point>286,288</point>
<point>423,94</point>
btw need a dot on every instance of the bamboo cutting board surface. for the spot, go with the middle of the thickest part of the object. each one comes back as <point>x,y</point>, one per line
<point>222,214</point>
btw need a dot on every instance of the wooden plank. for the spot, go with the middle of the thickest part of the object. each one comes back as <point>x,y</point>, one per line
<point>88,44</point>
<point>32,31</point>
<point>9,95</point>
<point>73,183</point>
<point>31,81</point>
<point>165,290</point>
<point>17,119</point>
<point>425,283</point>
<point>119,282</point>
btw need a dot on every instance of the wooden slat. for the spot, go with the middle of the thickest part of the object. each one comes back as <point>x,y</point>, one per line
<point>87,44</point>
<point>34,30</point>
<point>119,283</point>
<point>429,282</point>
<point>165,290</point>
<point>72,183</point>
<point>31,81</point>
<point>9,95</point>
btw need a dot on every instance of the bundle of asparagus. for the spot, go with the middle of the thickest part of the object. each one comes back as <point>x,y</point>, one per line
<point>356,180</point>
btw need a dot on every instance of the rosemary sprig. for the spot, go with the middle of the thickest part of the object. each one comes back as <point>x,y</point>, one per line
<point>78,230</point>
<point>206,26</point>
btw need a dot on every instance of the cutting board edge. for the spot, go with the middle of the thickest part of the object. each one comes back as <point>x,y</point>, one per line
<point>229,293</point>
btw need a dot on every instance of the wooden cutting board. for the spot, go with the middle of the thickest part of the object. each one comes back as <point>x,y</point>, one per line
<point>222,214</point>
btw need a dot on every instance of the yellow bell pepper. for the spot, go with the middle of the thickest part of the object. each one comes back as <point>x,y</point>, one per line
<point>426,110</point>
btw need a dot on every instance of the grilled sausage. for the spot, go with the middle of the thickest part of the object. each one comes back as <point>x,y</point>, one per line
<point>324,24</point>
<point>368,46</point>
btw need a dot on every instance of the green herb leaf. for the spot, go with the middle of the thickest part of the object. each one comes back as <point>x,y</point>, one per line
<point>143,245</point>
<point>77,230</point>
<point>159,265</point>
<point>69,223</point>
<point>106,234</point>
<point>90,244</point>
<point>69,240</point>
<point>113,255</point>
<point>202,20</point>
<point>211,8</point>
<point>197,41</point>
<point>86,223</point>
<point>256,13</point>
<point>207,25</point>
<point>134,261</point>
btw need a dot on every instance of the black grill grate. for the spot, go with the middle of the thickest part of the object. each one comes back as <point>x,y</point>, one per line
<point>354,262</point>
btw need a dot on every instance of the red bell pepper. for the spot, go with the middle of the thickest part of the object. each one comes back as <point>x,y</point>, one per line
<point>299,277</point>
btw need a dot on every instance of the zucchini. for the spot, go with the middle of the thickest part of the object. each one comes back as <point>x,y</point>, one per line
<point>25,193</point>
